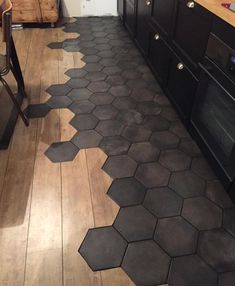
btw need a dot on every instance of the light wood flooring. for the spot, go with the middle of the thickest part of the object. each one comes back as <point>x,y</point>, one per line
<point>46,208</point>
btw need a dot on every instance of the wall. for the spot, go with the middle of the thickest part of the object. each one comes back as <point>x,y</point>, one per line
<point>76,8</point>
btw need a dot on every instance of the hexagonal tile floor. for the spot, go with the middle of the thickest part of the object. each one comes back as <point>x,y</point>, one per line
<point>176,223</point>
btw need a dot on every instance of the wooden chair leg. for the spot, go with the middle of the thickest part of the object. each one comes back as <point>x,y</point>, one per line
<point>15,102</point>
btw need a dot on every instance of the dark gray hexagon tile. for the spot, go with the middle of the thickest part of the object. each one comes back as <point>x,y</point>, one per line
<point>58,90</point>
<point>102,98</point>
<point>149,108</point>
<point>131,74</point>
<point>202,213</point>
<point>93,67</point>
<point>59,102</point>
<point>229,220</point>
<point>91,58</point>
<point>114,145</point>
<point>101,40</point>
<point>227,279</point>
<point>86,44</point>
<point>96,76</point>
<point>127,64</point>
<point>115,80</point>
<point>169,113</point>
<point>142,95</point>
<point>163,202</point>
<point>124,103</point>
<point>175,160</point>
<point>84,122</point>
<point>104,112</point>
<point>55,45</point>
<point>108,62</point>
<point>202,168</point>
<point>103,248</point>
<point>120,90</point>
<point>129,117</point>
<point>120,166</point>
<point>108,54</point>
<point>164,140</point>
<point>156,123</point>
<point>217,248</point>
<point>81,107</point>
<point>77,83</point>
<point>109,127</point>
<point>38,110</point>
<point>216,193</point>
<point>89,51</point>
<point>178,128</point>
<point>162,100</point>
<point>176,236</point>
<point>99,86</point>
<point>143,152</point>
<point>152,175</point>
<point>135,223</point>
<point>136,133</point>
<point>79,94</point>
<point>76,73</point>
<point>189,147</point>
<point>87,139</point>
<point>187,184</point>
<point>191,271</point>
<point>111,70</point>
<point>61,152</point>
<point>103,47</point>
<point>146,263</point>
<point>127,192</point>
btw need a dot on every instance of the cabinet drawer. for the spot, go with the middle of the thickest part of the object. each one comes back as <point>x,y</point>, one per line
<point>181,87</point>
<point>29,16</point>
<point>48,4</point>
<point>159,56</point>
<point>21,5</point>
<point>192,29</point>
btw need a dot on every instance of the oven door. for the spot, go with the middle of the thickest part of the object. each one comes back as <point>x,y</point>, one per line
<point>213,115</point>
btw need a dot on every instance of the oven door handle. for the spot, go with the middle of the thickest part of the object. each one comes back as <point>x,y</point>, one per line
<point>208,71</point>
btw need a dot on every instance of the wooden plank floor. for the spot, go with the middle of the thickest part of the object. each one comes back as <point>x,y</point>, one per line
<point>45,208</point>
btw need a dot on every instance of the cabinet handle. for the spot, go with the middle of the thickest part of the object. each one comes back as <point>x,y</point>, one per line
<point>148,2</point>
<point>190,4</point>
<point>180,66</point>
<point>156,37</point>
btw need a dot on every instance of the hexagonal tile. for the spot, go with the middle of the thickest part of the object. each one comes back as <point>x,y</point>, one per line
<point>114,145</point>
<point>175,160</point>
<point>103,248</point>
<point>142,95</point>
<point>164,140</point>
<point>176,236</point>
<point>108,62</point>
<point>38,110</point>
<point>76,73</point>
<point>84,122</point>
<point>217,248</point>
<point>103,47</point>
<point>191,271</point>
<point>93,67</point>
<point>187,184</point>
<point>87,52</point>
<point>58,90</point>
<point>202,168</point>
<point>106,54</point>
<point>136,133</point>
<point>162,100</point>
<point>82,107</point>
<point>99,86</point>
<point>109,127</point>
<point>229,220</point>
<point>227,279</point>
<point>87,139</point>
<point>129,117</point>
<point>135,223</point>
<point>146,263</point>
<point>79,94</point>
<point>114,80</point>
<point>163,202</point>
<point>91,58</point>
<point>101,98</point>
<point>120,166</point>
<point>127,192</point>
<point>104,112</point>
<point>124,103</point>
<point>96,76</point>
<point>152,175</point>
<point>178,129</point>
<point>202,213</point>
<point>169,113</point>
<point>131,74</point>
<point>143,152</point>
<point>59,101</point>
<point>149,108</point>
<point>111,70</point>
<point>120,90</point>
<point>61,152</point>
<point>189,147</point>
<point>77,82</point>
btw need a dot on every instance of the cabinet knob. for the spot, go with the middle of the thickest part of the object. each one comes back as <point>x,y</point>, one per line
<point>156,37</point>
<point>190,4</point>
<point>148,2</point>
<point>180,66</point>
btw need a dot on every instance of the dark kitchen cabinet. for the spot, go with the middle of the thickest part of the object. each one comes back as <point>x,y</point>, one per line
<point>130,16</point>
<point>120,8</point>
<point>163,14</point>
<point>159,56</point>
<point>192,29</point>
<point>181,87</point>
<point>144,8</point>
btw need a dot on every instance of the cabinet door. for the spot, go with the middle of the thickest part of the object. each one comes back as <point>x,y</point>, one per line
<point>120,7</point>
<point>49,10</point>
<point>144,8</point>
<point>192,30</point>
<point>181,87</point>
<point>159,56</point>
<point>130,19</point>
<point>163,13</point>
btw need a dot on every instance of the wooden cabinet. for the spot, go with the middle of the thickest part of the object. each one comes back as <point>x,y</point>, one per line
<point>35,11</point>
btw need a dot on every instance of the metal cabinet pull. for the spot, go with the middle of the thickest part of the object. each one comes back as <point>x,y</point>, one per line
<point>156,37</point>
<point>190,4</point>
<point>180,66</point>
<point>148,2</point>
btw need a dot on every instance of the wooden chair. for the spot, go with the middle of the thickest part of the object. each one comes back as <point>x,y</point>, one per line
<point>9,61</point>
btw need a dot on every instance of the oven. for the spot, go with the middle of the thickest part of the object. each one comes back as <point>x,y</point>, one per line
<point>213,115</point>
